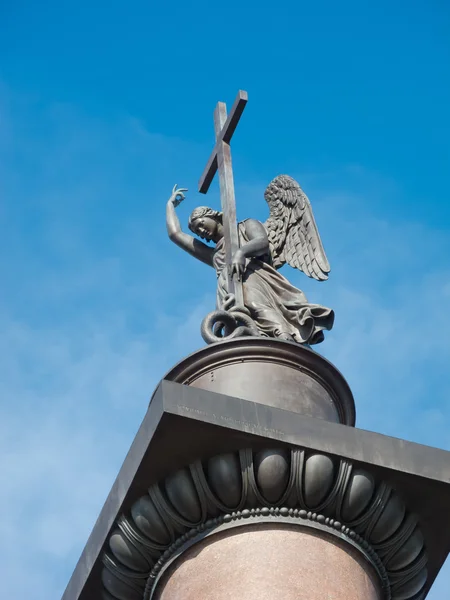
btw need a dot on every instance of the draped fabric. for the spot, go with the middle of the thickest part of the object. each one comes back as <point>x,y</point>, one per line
<point>276,305</point>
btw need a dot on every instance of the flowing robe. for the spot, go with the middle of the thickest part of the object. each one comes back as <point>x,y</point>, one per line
<point>276,306</point>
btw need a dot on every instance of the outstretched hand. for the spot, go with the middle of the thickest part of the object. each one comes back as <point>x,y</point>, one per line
<point>177,196</point>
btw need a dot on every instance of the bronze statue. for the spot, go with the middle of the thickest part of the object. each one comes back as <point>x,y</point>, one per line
<point>252,297</point>
<point>271,305</point>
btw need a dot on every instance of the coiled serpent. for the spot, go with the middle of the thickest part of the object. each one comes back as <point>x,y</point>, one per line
<point>228,323</point>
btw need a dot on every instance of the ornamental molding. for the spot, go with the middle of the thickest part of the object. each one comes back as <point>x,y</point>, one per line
<point>274,516</point>
<point>267,353</point>
<point>294,486</point>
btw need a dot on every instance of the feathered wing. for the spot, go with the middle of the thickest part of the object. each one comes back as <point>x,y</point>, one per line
<point>292,230</point>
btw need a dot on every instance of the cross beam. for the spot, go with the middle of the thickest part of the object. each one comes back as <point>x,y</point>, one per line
<point>220,160</point>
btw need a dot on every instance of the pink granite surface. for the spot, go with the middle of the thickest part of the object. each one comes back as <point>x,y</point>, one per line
<point>270,562</point>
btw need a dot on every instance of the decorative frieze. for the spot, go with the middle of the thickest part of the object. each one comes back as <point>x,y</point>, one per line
<point>276,486</point>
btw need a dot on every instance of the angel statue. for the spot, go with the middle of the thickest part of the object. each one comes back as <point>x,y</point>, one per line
<point>272,306</point>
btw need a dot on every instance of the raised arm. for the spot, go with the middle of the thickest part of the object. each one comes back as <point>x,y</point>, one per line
<point>185,241</point>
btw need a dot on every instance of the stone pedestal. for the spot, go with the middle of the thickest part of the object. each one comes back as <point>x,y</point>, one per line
<point>247,479</point>
<point>273,373</point>
<point>270,563</point>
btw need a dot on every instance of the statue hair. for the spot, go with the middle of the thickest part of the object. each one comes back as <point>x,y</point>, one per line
<point>203,211</point>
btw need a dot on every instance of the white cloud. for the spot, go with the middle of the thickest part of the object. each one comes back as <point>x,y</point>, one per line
<point>97,305</point>
<point>84,326</point>
<point>71,403</point>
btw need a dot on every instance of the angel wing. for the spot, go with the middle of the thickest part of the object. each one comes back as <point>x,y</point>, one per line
<point>292,230</point>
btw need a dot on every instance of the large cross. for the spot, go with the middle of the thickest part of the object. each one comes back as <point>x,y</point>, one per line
<point>220,160</point>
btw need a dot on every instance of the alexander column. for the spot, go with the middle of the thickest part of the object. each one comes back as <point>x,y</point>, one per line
<point>247,477</point>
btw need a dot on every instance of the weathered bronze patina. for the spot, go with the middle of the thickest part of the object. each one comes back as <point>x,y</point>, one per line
<point>248,478</point>
<point>253,298</point>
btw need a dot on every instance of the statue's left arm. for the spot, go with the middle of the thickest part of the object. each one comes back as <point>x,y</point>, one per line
<point>257,245</point>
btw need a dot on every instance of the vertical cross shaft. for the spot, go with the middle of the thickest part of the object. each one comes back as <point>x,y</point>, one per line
<point>228,200</point>
<point>220,160</point>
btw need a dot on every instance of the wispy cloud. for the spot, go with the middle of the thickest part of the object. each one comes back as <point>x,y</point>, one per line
<point>97,305</point>
<point>392,340</point>
<point>86,328</point>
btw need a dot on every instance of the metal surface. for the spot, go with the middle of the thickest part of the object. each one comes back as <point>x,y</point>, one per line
<point>227,130</point>
<point>220,160</point>
<point>253,298</point>
<point>185,424</point>
<point>297,484</point>
<point>271,372</point>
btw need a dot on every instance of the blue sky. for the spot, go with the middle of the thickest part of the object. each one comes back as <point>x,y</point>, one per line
<point>103,107</point>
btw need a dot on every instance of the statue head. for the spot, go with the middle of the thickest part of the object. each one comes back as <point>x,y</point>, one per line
<point>206,223</point>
